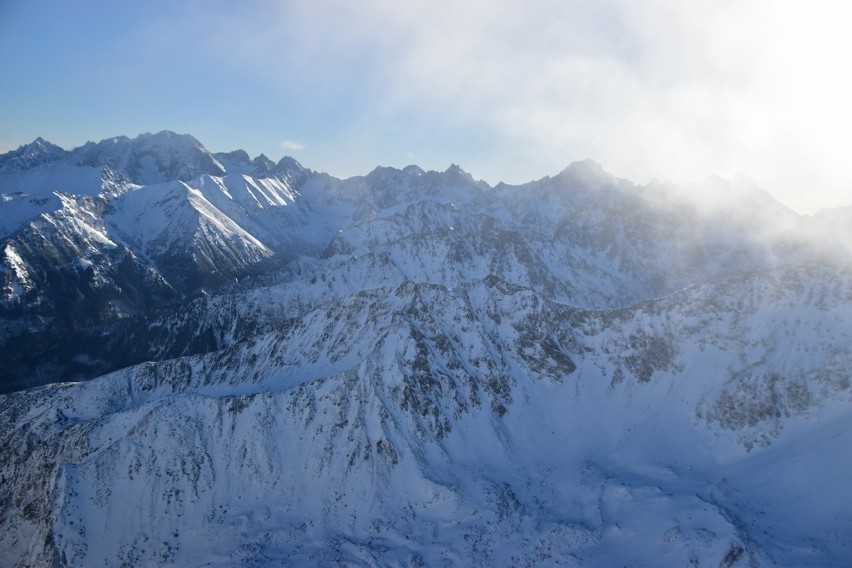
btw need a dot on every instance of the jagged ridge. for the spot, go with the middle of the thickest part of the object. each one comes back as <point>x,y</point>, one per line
<point>414,367</point>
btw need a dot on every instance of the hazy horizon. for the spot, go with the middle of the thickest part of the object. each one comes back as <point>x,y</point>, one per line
<point>649,89</point>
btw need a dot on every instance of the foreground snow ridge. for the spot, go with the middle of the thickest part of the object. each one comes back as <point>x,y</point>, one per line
<point>412,368</point>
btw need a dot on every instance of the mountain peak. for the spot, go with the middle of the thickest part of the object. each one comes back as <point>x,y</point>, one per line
<point>240,156</point>
<point>587,167</point>
<point>382,170</point>
<point>36,153</point>
<point>456,172</point>
<point>586,173</point>
<point>151,158</point>
<point>287,165</point>
<point>168,136</point>
<point>413,170</point>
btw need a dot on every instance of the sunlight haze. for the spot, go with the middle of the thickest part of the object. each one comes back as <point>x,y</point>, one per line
<point>510,91</point>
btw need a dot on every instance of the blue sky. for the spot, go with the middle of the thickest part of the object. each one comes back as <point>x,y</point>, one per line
<point>511,91</point>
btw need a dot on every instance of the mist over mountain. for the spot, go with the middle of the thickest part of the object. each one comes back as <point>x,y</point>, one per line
<point>213,359</point>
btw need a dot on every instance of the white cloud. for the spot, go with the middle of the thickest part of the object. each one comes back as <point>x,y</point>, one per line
<point>291,146</point>
<point>649,88</point>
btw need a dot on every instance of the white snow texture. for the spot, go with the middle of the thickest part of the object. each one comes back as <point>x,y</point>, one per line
<point>578,371</point>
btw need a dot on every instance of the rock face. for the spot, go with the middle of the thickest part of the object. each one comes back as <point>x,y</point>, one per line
<point>412,368</point>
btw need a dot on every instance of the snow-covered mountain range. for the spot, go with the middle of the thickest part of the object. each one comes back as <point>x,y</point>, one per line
<point>414,368</point>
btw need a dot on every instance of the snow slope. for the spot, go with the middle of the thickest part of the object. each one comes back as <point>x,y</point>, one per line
<point>484,425</point>
<point>413,368</point>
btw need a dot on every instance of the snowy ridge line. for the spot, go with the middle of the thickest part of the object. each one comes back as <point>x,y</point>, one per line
<point>413,368</point>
